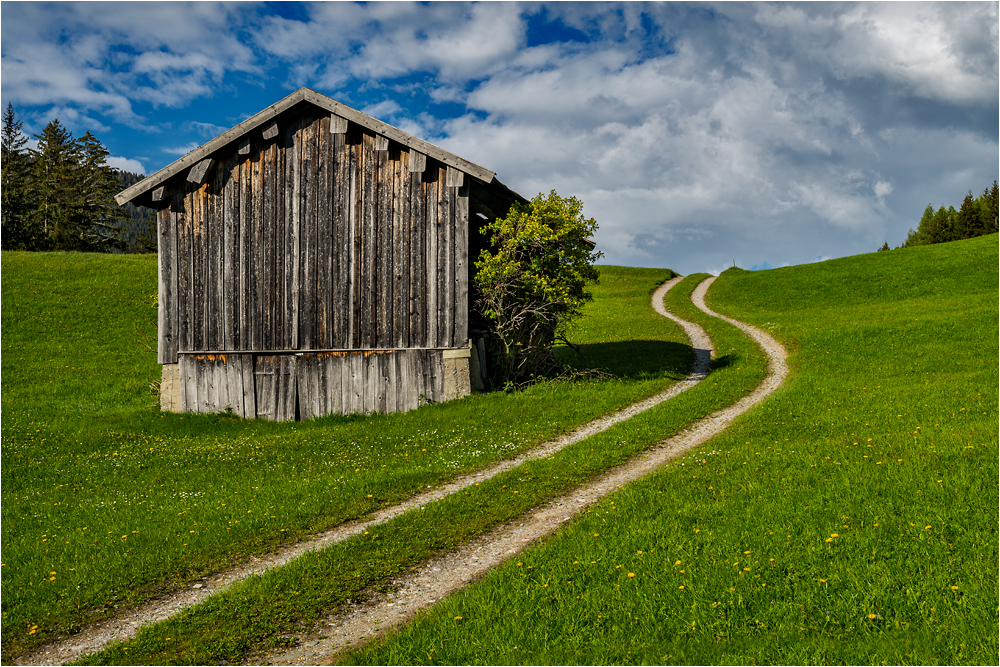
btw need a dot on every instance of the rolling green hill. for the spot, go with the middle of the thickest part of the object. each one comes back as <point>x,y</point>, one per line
<point>849,519</point>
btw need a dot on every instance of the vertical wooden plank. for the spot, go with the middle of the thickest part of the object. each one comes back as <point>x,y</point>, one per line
<point>184,271</point>
<point>340,294</point>
<point>370,229</point>
<point>462,263</point>
<point>385,240</point>
<point>333,377</point>
<point>354,376</point>
<point>391,400</point>
<point>418,270</point>
<point>373,382</point>
<point>322,338</point>
<point>437,374</point>
<point>217,198</point>
<point>401,252</point>
<point>189,393</point>
<point>249,387</point>
<point>220,372</point>
<point>309,231</point>
<point>246,260</point>
<point>404,399</point>
<point>294,230</point>
<point>284,378</point>
<point>304,384</point>
<point>432,285</point>
<point>266,384</point>
<point>258,275</point>
<point>197,283</point>
<point>234,383</point>
<point>281,325</point>
<point>353,211</point>
<point>204,384</point>
<point>272,250</point>
<point>446,268</point>
<point>166,345</point>
<point>214,254</point>
<point>230,267</point>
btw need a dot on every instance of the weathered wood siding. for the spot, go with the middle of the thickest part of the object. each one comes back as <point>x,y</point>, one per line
<point>324,237</point>
<point>284,387</point>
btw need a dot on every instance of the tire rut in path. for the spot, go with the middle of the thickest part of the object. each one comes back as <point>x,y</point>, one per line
<point>438,578</point>
<point>97,636</point>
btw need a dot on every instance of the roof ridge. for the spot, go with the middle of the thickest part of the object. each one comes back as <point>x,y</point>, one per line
<point>331,105</point>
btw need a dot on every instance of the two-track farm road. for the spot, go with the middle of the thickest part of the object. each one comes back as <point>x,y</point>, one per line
<point>442,576</point>
<point>95,637</point>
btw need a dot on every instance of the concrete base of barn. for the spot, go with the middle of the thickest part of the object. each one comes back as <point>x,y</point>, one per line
<point>298,386</point>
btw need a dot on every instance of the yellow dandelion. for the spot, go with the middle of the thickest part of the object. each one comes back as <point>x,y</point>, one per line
<point>871,616</point>
<point>631,574</point>
<point>458,618</point>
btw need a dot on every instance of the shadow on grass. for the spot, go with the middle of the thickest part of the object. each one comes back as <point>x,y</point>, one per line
<point>631,359</point>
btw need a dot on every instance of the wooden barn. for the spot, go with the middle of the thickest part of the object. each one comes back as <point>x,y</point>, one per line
<point>314,260</point>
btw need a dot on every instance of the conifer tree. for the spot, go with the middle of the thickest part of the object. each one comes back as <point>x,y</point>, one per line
<point>967,223</point>
<point>17,233</point>
<point>101,216</point>
<point>58,202</point>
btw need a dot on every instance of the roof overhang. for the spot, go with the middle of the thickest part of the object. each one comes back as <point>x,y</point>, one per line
<point>142,189</point>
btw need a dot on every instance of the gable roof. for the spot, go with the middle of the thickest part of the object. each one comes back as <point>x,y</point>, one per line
<point>143,188</point>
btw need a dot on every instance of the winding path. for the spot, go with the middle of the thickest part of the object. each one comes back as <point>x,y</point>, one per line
<point>95,637</point>
<point>437,578</point>
<point>442,576</point>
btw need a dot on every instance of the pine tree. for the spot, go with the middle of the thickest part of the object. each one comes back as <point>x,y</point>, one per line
<point>943,225</point>
<point>101,217</point>
<point>17,232</point>
<point>58,201</point>
<point>967,220</point>
<point>989,209</point>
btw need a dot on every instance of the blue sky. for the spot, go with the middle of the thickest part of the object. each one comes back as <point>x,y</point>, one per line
<point>698,135</point>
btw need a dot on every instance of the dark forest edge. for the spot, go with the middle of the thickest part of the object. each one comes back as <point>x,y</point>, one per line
<point>60,195</point>
<point>978,216</point>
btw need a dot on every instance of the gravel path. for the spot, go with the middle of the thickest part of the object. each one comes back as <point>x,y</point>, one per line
<point>125,626</point>
<point>440,577</point>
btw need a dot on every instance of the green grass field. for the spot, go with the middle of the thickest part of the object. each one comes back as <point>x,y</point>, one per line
<point>107,502</point>
<point>824,526</point>
<point>849,519</point>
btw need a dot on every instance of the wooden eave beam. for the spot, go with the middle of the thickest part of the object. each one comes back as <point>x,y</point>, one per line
<point>265,118</point>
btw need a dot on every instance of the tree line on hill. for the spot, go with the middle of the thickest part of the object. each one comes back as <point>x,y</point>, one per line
<point>977,216</point>
<point>60,194</point>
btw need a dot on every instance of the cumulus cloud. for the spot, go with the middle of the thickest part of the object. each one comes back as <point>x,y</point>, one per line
<point>697,135</point>
<point>126,164</point>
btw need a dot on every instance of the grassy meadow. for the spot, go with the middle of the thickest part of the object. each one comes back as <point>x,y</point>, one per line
<point>106,502</point>
<point>849,519</point>
<point>275,608</point>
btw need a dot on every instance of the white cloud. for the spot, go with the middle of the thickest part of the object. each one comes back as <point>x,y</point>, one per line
<point>126,164</point>
<point>181,150</point>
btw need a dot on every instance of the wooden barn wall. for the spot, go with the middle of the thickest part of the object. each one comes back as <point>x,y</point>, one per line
<point>299,386</point>
<point>315,241</point>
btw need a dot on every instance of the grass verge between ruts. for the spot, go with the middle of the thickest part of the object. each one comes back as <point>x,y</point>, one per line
<point>265,611</point>
<point>849,519</point>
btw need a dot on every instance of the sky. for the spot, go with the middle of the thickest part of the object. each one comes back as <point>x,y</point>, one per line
<point>698,135</point>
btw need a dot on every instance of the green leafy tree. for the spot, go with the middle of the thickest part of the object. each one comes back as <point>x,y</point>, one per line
<point>532,284</point>
<point>921,235</point>
<point>18,232</point>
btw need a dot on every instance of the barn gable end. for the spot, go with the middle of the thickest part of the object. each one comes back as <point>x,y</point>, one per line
<point>313,260</point>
